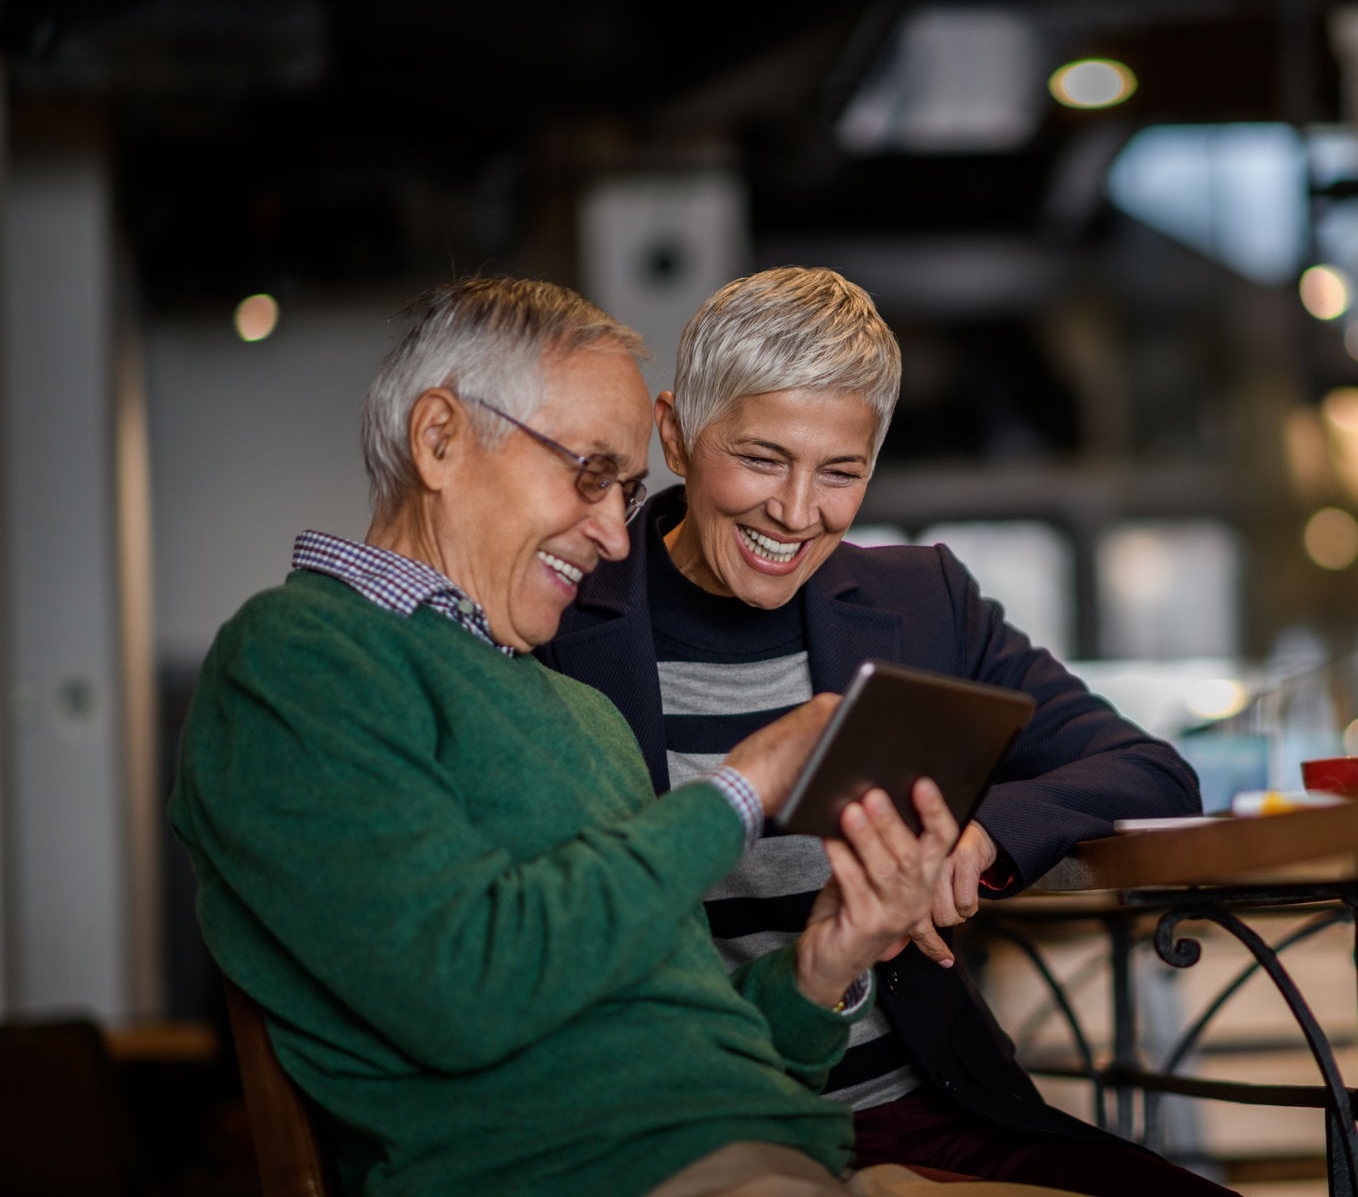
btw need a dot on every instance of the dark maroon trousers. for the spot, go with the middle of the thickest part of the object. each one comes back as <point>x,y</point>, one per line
<point>924,1131</point>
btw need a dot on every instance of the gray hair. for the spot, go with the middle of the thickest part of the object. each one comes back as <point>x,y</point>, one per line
<point>486,338</point>
<point>785,329</point>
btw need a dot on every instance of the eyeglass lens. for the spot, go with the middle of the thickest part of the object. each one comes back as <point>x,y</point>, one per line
<point>598,473</point>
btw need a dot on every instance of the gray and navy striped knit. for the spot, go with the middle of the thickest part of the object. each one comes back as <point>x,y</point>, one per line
<point>726,669</point>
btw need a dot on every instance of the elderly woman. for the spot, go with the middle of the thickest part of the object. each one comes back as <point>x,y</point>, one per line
<point>739,600</point>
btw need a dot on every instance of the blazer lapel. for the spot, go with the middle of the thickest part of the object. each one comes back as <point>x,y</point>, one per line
<point>841,634</point>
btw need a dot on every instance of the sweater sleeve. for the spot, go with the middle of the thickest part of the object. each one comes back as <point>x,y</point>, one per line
<point>810,1038</point>
<point>1077,766</point>
<point>319,811</point>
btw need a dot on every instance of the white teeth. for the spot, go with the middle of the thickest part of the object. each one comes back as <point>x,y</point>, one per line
<point>571,573</point>
<point>769,549</point>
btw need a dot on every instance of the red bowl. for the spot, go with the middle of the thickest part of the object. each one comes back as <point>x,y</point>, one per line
<point>1334,775</point>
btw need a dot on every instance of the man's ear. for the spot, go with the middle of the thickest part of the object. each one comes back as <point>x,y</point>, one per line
<point>671,439</point>
<point>438,430</point>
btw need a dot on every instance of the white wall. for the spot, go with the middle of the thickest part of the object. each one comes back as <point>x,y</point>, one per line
<point>64,824</point>
<point>251,444</point>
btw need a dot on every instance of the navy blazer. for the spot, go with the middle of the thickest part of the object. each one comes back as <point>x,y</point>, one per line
<point>1076,767</point>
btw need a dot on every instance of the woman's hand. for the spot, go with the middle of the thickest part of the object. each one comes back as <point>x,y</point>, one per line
<point>883,884</point>
<point>957,893</point>
<point>958,896</point>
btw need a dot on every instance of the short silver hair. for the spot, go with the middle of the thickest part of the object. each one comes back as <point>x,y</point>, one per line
<point>790,328</point>
<point>487,338</point>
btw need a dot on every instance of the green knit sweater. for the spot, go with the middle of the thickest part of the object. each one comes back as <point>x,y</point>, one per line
<point>478,936</point>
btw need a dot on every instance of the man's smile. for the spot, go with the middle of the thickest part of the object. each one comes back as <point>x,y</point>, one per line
<point>571,574</point>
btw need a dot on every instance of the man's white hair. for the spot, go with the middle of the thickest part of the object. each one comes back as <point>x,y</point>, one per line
<point>484,338</point>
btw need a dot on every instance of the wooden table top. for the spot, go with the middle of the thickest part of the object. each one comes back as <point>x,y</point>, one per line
<point>163,1041</point>
<point>1304,846</point>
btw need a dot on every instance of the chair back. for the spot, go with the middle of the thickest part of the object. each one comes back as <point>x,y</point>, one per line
<point>65,1126</point>
<point>292,1162</point>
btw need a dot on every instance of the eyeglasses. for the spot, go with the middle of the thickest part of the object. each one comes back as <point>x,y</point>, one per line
<point>597,473</point>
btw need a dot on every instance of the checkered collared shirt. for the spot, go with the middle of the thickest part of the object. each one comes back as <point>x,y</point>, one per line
<point>392,581</point>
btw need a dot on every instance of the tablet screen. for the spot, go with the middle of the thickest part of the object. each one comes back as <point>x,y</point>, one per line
<point>895,726</point>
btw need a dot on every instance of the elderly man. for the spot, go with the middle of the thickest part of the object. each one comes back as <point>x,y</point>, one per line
<point>439,866</point>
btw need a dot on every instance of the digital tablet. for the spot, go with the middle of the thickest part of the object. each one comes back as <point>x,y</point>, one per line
<point>895,726</point>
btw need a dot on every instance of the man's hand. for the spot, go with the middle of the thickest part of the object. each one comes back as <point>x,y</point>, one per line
<point>772,757</point>
<point>957,895</point>
<point>883,882</point>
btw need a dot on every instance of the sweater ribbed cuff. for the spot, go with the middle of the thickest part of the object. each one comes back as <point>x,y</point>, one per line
<point>735,787</point>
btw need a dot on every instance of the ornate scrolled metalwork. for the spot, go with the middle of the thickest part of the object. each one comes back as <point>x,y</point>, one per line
<point>1181,953</point>
<point>1122,1076</point>
<point>1340,1123</point>
<point>1189,1039</point>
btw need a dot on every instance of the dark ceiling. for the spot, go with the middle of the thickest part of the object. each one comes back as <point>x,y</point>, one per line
<point>333,140</point>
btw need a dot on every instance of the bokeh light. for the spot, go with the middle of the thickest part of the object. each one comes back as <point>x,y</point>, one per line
<point>1350,739</point>
<point>1307,453</point>
<point>1325,292</point>
<point>1339,411</point>
<point>256,317</point>
<point>1140,567</point>
<point>1340,408</point>
<point>1331,538</point>
<point>1092,83</point>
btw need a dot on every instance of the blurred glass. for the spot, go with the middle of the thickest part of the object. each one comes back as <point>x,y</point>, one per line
<point>1027,566</point>
<point>1166,699</point>
<point>950,79</point>
<point>1236,193</point>
<point>1303,708</point>
<point>1168,588</point>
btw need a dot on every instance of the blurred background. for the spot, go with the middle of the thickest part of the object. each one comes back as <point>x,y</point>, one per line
<point>1116,238</point>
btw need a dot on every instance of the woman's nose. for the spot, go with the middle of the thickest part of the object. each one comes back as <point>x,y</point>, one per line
<point>794,504</point>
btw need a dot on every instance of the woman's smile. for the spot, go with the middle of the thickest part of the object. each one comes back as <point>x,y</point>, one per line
<point>769,549</point>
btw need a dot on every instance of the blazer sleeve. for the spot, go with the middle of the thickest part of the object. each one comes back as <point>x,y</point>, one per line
<point>1078,765</point>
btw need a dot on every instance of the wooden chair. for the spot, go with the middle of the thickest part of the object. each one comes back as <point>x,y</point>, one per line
<point>292,1162</point>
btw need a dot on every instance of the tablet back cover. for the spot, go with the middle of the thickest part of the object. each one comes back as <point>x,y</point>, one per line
<point>896,725</point>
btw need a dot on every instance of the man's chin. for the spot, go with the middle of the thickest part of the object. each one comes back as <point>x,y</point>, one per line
<point>544,631</point>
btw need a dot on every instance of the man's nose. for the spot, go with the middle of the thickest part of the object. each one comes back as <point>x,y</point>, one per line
<point>607,525</point>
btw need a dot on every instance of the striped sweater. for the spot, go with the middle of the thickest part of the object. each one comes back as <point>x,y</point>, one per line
<point>726,669</point>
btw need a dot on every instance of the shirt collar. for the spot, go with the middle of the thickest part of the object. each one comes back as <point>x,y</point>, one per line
<point>391,581</point>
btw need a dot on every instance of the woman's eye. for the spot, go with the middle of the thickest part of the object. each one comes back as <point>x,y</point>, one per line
<point>842,477</point>
<point>751,459</point>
